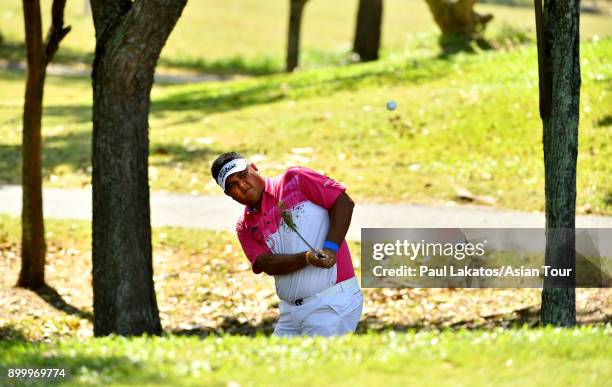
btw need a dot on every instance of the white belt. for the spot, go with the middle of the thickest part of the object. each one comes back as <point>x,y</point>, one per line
<point>348,284</point>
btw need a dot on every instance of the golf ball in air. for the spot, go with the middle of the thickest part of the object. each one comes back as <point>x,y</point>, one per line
<point>391,105</point>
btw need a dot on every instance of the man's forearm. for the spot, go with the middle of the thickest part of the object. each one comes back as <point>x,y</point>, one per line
<point>276,264</point>
<point>340,218</point>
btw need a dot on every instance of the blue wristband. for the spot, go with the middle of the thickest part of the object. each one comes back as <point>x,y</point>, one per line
<point>331,245</point>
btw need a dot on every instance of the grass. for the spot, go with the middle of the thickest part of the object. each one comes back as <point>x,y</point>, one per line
<point>248,36</point>
<point>204,286</point>
<point>217,316</point>
<point>463,121</point>
<point>499,357</point>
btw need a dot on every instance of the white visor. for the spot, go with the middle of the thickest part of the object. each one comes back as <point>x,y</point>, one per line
<point>230,167</point>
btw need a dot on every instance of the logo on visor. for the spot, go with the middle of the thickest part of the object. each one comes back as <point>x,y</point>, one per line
<point>225,170</point>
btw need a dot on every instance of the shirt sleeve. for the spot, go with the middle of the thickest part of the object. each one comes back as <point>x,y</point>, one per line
<point>318,188</point>
<point>250,245</point>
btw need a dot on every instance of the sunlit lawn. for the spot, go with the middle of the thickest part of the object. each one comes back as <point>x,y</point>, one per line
<point>249,35</point>
<point>467,121</point>
<point>462,122</point>
<point>474,358</point>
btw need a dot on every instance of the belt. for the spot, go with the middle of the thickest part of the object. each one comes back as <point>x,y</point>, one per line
<point>348,284</point>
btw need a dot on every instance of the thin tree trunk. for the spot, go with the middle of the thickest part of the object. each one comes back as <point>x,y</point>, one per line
<point>296,8</point>
<point>368,29</point>
<point>32,273</point>
<point>33,247</point>
<point>129,39</point>
<point>560,139</point>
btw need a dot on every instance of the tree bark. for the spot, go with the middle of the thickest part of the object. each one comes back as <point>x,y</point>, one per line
<point>129,39</point>
<point>457,17</point>
<point>296,8</point>
<point>368,30</point>
<point>560,140</point>
<point>39,54</point>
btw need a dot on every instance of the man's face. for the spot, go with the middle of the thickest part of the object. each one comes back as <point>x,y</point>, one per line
<point>246,186</point>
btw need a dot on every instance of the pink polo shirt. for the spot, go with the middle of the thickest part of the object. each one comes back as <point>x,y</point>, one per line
<point>307,196</point>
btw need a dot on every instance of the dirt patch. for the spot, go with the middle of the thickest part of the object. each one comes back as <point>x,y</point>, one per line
<point>208,291</point>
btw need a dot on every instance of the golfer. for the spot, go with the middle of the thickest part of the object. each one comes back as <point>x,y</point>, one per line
<point>293,228</point>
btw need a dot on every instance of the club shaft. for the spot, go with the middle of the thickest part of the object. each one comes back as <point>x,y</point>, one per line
<point>307,244</point>
<point>294,229</point>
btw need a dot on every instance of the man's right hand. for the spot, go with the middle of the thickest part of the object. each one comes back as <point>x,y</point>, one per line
<point>321,258</point>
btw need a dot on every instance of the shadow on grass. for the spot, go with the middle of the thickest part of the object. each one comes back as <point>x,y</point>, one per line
<point>180,153</point>
<point>453,45</point>
<point>10,164</point>
<point>208,101</point>
<point>15,52</point>
<point>12,52</point>
<point>73,151</point>
<point>608,198</point>
<point>77,113</point>
<point>300,85</point>
<point>215,97</point>
<point>236,65</point>
<point>17,72</point>
<point>604,121</point>
<point>53,298</point>
<point>229,325</point>
<point>528,316</point>
<point>12,333</point>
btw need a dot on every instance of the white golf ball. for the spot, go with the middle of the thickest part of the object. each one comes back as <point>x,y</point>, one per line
<point>391,105</point>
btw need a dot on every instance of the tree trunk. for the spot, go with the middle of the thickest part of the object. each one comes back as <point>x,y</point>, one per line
<point>296,8</point>
<point>129,39</point>
<point>33,248</point>
<point>457,17</point>
<point>560,139</point>
<point>368,29</point>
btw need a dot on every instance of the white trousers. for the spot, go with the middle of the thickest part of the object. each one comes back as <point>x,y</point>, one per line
<point>327,315</point>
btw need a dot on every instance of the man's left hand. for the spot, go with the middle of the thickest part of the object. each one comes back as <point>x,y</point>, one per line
<point>322,258</point>
<point>330,256</point>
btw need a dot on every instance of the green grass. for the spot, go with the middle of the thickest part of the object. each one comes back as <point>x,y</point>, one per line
<point>499,357</point>
<point>462,121</point>
<point>248,36</point>
<point>193,269</point>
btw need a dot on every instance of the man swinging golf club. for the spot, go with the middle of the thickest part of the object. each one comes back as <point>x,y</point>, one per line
<point>293,228</point>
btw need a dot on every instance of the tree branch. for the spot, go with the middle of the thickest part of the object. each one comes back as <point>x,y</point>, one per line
<point>57,31</point>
